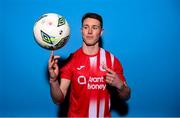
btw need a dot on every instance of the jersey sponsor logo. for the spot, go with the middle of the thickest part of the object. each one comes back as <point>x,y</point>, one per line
<point>92,83</point>
<point>82,80</point>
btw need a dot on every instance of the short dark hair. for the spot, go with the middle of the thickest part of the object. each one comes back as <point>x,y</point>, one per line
<point>93,15</point>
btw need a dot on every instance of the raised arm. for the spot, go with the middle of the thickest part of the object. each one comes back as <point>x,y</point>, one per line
<point>58,90</point>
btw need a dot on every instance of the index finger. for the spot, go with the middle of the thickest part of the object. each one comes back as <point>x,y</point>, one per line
<point>52,53</point>
<point>109,70</point>
<point>52,56</point>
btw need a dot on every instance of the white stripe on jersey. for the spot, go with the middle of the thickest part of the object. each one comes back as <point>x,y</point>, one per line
<point>93,62</point>
<point>93,103</point>
<point>93,109</point>
<point>101,108</point>
<point>102,59</point>
<point>112,60</point>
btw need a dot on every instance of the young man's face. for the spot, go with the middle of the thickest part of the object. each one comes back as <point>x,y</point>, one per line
<point>91,31</point>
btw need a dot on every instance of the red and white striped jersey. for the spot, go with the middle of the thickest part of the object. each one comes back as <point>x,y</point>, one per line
<point>89,96</point>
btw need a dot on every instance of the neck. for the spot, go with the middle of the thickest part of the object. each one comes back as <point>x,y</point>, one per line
<point>90,50</point>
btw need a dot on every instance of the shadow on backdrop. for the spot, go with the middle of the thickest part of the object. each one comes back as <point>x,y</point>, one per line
<point>117,105</point>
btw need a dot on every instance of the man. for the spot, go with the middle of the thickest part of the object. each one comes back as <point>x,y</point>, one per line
<point>88,73</point>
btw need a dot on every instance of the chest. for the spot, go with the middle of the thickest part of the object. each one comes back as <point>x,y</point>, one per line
<point>89,74</point>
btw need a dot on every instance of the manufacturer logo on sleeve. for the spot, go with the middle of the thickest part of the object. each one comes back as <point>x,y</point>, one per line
<point>79,68</point>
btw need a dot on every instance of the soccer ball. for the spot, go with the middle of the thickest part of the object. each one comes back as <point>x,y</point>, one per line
<point>51,31</point>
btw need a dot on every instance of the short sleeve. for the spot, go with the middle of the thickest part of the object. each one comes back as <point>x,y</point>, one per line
<point>66,69</point>
<point>119,69</point>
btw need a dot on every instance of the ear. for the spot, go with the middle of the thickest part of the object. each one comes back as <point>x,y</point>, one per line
<point>102,30</point>
<point>81,29</point>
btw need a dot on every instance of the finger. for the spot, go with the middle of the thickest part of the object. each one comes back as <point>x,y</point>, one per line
<point>52,53</point>
<point>110,75</point>
<point>56,57</point>
<point>51,64</point>
<point>109,80</point>
<point>109,70</point>
<point>56,61</point>
<point>51,58</point>
<point>55,65</point>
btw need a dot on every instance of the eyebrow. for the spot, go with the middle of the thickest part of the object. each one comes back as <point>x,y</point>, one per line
<point>92,25</point>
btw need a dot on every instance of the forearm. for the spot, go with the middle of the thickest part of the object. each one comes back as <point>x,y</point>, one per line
<point>124,92</point>
<point>56,92</point>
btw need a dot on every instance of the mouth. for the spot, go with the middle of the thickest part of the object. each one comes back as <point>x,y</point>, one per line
<point>89,37</point>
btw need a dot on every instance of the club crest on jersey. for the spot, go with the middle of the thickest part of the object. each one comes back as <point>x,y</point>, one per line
<point>102,67</point>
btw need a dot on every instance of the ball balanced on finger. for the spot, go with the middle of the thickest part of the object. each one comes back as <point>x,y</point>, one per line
<point>51,31</point>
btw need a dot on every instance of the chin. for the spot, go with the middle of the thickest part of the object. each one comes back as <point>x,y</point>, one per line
<point>90,43</point>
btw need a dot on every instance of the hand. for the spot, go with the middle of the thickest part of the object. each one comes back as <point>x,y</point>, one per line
<point>53,66</point>
<point>113,79</point>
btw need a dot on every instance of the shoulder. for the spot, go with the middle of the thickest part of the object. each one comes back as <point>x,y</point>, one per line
<point>106,51</point>
<point>110,55</point>
<point>77,53</point>
<point>74,55</point>
<point>70,60</point>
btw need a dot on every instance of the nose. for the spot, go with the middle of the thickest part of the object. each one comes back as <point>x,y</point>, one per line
<point>90,31</point>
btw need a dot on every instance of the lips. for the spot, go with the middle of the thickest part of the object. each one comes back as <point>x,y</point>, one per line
<point>89,37</point>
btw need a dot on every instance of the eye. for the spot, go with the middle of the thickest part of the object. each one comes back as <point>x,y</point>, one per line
<point>95,28</point>
<point>85,27</point>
